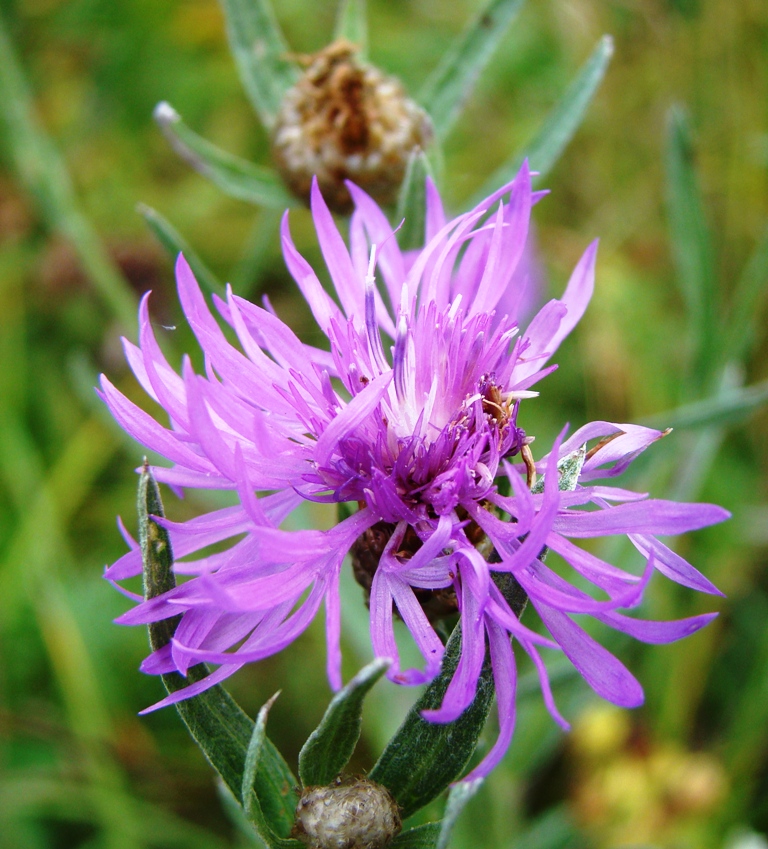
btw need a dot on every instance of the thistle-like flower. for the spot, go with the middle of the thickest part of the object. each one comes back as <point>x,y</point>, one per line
<point>410,417</point>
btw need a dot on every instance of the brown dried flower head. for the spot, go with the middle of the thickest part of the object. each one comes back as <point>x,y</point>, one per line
<point>351,813</point>
<point>342,120</point>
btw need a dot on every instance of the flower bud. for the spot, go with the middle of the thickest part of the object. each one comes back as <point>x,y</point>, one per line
<point>351,813</point>
<point>344,119</point>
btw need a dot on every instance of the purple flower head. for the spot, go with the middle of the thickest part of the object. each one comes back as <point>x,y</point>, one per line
<point>411,417</point>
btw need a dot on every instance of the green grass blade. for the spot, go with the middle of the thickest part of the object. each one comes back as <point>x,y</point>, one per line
<point>352,24</point>
<point>544,150</point>
<point>44,174</point>
<point>449,86</point>
<point>236,177</point>
<point>170,238</point>
<point>261,53</point>
<point>692,248</point>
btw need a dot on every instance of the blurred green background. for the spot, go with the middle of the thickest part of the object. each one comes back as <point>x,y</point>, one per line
<point>78,767</point>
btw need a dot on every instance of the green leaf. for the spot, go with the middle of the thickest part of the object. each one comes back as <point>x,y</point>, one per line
<point>331,744</point>
<point>352,24</point>
<point>546,147</point>
<point>460,794</point>
<point>751,288</point>
<point>236,177</point>
<point>213,718</point>
<point>450,84</point>
<point>423,758</point>
<point>262,55</point>
<point>421,837</point>
<point>691,243</point>
<point>411,202</point>
<point>724,408</point>
<point>251,800</point>
<point>170,238</point>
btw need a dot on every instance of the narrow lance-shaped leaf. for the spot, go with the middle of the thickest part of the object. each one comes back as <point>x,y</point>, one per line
<point>691,243</point>
<point>411,202</point>
<point>421,837</point>
<point>331,744</point>
<point>236,177</point>
<point>723,408</point>
<point>261,53</point>
<point>423,758</point>
<point>352,24</point>
<point>215,721</point>
<point>751,288</point>
<point>460,794</point>
<point>170,238</point>
<point>251,801</point>
<point>449,86</point>
<point>546,147</point>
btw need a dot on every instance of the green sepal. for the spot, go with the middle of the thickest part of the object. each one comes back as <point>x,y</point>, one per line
<point>421,837</point>
<point>235,176</point>
<point>216,722</point>
<point>175,244</point>
<point>331,744</point>
<point>423,757</point>
<point>412,201</point>
<point>251,800</point>
<point>447,89</point>
<point>352,25</point>
<point>558,129</point>
<point>262,55</point>
<point>460,794</point>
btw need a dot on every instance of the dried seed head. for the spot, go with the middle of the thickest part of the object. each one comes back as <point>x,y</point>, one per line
<point>343,120</point>
<point>351,813</point>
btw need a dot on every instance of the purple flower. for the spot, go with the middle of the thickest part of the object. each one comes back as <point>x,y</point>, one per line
<point>411,417</point>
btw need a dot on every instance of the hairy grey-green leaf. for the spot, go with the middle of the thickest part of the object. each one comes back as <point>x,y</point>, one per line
<point>546,147</point>
<point>251,800</point>
<point>448,87</point>
<point>460,794</point>
<point>262,55</point>
<point>170,238</point>
<point>216,722</point>
<point>236,177</point>
<point>352,24</point>
<point>423,758</point>
<point>421,837</point>
<point>412,201</point>
<point>723,408</point>
<point>331,744</point>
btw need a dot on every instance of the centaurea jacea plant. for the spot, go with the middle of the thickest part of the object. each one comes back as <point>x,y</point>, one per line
<point>411,418</point>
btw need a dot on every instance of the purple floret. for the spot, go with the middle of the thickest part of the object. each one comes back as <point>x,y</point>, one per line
<point>410,416</point>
